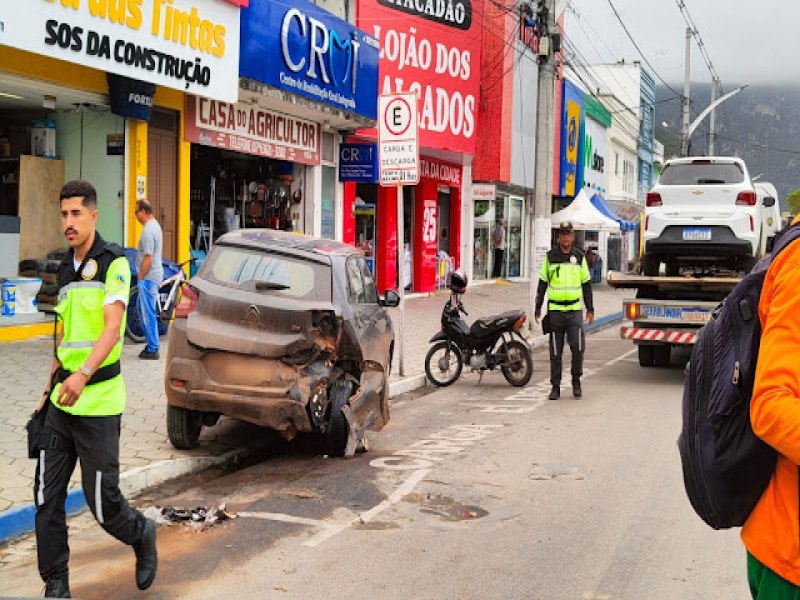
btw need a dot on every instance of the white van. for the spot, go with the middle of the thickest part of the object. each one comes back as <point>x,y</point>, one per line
<point>704,211</point>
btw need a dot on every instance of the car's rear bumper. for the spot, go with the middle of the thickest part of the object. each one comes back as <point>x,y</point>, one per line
<point>723,244</point>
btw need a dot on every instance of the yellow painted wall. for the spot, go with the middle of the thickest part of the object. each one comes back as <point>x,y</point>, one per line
<point>60,72</point>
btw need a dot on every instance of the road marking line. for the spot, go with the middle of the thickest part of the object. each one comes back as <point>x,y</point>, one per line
<point>614,361</point>
<point>283,518</point>
<point>405,488</point>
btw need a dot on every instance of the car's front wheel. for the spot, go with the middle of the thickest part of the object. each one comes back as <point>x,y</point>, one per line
<point>183,427</point>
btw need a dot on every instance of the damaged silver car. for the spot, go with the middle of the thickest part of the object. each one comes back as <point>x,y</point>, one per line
<point>285,331</point>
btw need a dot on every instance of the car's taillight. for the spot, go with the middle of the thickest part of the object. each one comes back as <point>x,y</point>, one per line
<point>653,199</point>
<point>746,199</point>
<point>187,303</point>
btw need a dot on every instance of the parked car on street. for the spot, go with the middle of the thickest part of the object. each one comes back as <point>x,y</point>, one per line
<point>705,211</point>
<point>285,331</point>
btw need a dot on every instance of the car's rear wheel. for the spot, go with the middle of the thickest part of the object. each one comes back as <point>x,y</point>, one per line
<point>183,427</point>
<point>336,428</point>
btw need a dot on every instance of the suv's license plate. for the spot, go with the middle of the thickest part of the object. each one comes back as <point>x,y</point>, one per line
<point>695,234</point>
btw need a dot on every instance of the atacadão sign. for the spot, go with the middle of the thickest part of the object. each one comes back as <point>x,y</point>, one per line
<point>187,45</point>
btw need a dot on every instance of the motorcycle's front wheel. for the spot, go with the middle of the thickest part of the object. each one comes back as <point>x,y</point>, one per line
<point>519,369</point>
<point>443,363</point>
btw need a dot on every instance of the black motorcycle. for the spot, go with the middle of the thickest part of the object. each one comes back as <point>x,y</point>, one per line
<point>489,343</point>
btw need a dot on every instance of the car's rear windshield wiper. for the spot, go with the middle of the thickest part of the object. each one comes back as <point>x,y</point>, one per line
<point>262,286</point>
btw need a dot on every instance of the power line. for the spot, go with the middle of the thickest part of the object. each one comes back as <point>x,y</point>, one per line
<point>635,45</point>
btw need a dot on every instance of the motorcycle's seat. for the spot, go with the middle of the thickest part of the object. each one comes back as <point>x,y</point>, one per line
<point>489,325</point>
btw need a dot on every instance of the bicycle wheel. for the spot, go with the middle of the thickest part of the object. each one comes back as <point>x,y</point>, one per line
<point>134,328</point>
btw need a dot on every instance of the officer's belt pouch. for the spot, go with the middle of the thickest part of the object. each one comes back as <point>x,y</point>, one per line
<point>34,427</point>
<point>546,324</point>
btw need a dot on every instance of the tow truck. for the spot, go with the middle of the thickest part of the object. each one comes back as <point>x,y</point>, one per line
<point>668,311</point>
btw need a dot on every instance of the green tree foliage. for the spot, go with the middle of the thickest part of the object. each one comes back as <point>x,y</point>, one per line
<point>793,201</point>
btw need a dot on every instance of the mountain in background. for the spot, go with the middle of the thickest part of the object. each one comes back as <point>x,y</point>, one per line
<point>761,124</point>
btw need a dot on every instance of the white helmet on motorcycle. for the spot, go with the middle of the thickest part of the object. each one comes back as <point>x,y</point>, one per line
<point>458,281</point>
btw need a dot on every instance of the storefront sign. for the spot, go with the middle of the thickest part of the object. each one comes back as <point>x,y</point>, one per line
<point>594,153</point>
<point>441,172</point>
<point>251,129</point>
<point>358,163</point>
<point>484,191</point>
<point>303,49</point>
<point>187,45</point>
<point>130,98</point>
<point>571,131</point>
<point>398,139</point>
<point>431,47</point>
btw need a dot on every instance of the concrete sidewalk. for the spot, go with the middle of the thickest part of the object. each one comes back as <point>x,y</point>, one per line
<point>146,456</point>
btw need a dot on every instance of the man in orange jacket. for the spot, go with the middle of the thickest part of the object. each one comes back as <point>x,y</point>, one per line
<point>771,533</point>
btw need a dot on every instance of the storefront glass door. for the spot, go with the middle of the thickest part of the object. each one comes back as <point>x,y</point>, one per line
<point>483,256</point>
<point>514,231</point>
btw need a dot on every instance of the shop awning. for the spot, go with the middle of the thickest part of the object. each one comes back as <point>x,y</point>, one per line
<point>600,204</point>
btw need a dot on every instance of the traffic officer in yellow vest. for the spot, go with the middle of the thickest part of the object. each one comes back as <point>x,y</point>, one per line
<point>83,419</point>
<point>565,277</point>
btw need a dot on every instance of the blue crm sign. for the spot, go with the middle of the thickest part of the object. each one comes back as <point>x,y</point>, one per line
<point>300,48</point>
<point>358,163</point>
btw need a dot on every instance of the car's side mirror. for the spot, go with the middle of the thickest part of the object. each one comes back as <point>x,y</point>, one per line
<point>769,201</point>
<point>391,299</point>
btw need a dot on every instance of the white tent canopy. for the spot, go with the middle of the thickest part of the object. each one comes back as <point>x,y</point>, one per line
<point>583,215</point>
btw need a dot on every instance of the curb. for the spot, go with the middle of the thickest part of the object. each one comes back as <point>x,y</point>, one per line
<point>19,521</point>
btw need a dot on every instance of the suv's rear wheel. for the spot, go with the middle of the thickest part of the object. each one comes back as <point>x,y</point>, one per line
<point>183,427</point>
<point>336,429</point>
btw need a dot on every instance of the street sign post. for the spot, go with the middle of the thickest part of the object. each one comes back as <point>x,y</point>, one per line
<point>398,160</point>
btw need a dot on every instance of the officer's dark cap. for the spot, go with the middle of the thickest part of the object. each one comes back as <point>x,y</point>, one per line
<point>565,227</point>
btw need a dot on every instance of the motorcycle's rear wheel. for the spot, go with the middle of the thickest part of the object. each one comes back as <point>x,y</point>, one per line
<point>519,369</point>
<point>443,363</point>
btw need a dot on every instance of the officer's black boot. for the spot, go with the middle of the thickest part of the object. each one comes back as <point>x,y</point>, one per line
<point>576,388</point>
<point>57,586</point>
<point>146,556</point>
<point>555,393</point>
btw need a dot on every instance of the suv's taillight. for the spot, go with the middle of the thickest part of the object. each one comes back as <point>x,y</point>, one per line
<point>187,303</point>
<point>746,199</point>
<point>653,199</point>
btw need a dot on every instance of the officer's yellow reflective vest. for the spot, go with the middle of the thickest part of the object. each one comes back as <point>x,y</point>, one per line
<point>104,277</point>
<point>565,275</point>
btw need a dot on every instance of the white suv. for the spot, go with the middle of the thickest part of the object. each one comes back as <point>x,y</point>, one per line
<point>704,211</point>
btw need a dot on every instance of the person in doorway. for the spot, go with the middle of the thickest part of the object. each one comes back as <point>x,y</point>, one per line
<point>499,244</point>
<point>565,277</point>
<point>150,272</point>
<point>86,403</point>
<point>770,532</point>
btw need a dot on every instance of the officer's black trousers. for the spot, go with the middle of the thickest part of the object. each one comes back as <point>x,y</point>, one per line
<point>95,441</point>
<point>571,324</point>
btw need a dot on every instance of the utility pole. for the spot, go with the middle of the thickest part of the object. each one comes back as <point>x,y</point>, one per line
<point>545,128</point>
<point>685,101</point>
<point>712,131</point>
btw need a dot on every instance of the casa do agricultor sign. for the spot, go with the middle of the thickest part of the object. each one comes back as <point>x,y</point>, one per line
<point>252,130</point>
<point>187,45</point>
<point>432,48</point>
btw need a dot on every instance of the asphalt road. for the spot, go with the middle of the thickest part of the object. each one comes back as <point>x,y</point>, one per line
<point>470,492</point>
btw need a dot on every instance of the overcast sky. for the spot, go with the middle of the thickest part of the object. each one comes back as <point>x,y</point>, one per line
<point>747,42</point>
